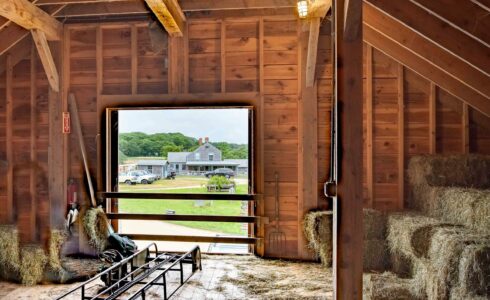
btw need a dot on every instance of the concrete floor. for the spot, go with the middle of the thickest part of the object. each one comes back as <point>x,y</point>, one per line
<point>222,277</point>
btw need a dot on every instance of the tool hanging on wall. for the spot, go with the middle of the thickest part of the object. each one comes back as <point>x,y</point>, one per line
<point>78,130</point>
<point>276,237</point>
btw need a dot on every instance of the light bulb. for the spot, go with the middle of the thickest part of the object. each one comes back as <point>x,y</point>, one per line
<point>302,7</point>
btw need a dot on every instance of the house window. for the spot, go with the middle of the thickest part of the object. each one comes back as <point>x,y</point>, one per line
<point>211,156</point>
<point>150,169</point>
<point>198,156</point>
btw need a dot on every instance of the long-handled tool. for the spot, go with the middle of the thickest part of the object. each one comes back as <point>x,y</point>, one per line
<point>276,237</point>
<point>78,130</point>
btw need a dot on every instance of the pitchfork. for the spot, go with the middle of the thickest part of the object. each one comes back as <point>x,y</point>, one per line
<point>276,237</point>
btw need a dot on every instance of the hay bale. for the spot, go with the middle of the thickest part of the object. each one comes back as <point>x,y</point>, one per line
<point>401,265</point>
<point>33,262</point>
<point>96,227</point>
<point>375,256</point>
<point>56,240</point>
<point>474,272</point>
<point>374,222</point>
<point>386,286</point>
<point>408,234</point>
<point>445,254</point>
<point>318,231</point>
<point>468,207</point>
<point>9,248</point>
<point>468,170</point>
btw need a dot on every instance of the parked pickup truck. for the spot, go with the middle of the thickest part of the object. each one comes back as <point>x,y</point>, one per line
<point>134,177</point>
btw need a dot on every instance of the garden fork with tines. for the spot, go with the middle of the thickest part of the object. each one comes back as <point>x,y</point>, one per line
<point>277,238</point>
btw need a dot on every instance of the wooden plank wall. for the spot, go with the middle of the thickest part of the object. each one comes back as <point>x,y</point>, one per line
<point>433,121</point>
<point>221,61</point>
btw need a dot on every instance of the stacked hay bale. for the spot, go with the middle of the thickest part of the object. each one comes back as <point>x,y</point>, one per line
<point>455,188</point>
<point>317,226</point>
<point>375,256</point>
<point>318,231</point>
<point>439,255</point>
<point>386,286</point>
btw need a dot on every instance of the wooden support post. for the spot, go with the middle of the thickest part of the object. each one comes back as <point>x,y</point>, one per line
<point>134,59</point>
<point>348,244</point>
<point>259,180</point>
<point>369,126</point>
<point>401,138</point>
<point>465,129</point>
<point>308,138</point>
<point>8,140</point>
<point>223,56</point>
<point>33,149</point>
<point>56,150</point>
<point>312,52</point>
<point>46,59</point>
<point>432,118</point>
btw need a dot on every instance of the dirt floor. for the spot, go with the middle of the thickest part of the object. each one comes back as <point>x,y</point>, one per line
<point>223,277</point>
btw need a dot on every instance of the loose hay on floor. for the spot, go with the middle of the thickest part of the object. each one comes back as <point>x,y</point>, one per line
<point>33,262</point>
<point>276,279</point>
<point>386,286</point>
<point>318,231</point>
<point>95,223</point>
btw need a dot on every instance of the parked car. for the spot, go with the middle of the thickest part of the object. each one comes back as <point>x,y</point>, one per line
<point>127,178</point>
<point>134,177</point>
<point>226,172</point>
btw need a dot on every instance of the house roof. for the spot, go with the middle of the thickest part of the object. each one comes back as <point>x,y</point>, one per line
<point>152,162</point>
<point>177,157</point>
<point>212,163</point>
<point>242,163</point>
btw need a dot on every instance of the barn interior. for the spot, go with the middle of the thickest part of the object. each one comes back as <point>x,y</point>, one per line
<point>365,166</point>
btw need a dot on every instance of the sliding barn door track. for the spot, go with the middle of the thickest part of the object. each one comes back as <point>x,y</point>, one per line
<point>134,276</point>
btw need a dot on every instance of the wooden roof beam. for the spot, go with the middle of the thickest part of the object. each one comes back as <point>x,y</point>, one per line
<point>426,49</point>
<point>169,13</point>
<point>29,16</point>
<point>47,60</point>
<point>317,11</point>
<point>425,69</point>
<point>438,31</point>
<point>466,16</point>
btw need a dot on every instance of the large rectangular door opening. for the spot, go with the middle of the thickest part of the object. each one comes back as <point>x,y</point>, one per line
<point>182,176</point>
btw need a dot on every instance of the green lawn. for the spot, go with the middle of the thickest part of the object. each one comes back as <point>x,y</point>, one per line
<point>187,207</point>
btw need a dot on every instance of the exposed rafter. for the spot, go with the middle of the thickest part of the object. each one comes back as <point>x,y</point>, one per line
<point>168,12</point>
<point>29,16</point>
<point>467,16</point>
<point>320,8</point>
<point>429,51</point>
<point>425,69</point>
<point>438,31</point>
<point>46,59</point>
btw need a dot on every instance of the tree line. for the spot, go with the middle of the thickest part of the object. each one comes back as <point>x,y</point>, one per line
<point>135,144</point>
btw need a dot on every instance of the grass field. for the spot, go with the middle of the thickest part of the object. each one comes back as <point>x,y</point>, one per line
<point>185,207</point>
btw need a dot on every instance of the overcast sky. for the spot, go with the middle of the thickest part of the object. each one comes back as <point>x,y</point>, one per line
<point>220,125</point>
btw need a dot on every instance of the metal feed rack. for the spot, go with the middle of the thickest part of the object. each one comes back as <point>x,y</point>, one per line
<point>140,269</point>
